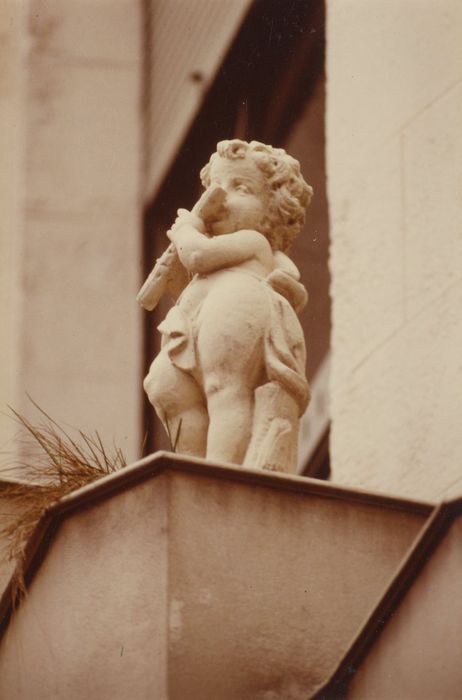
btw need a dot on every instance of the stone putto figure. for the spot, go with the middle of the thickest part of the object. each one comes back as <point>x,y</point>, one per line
<point>229,382</point>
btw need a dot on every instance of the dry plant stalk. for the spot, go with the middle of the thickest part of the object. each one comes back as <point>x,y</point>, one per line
<point>173,439</point>
<point>53,465</point>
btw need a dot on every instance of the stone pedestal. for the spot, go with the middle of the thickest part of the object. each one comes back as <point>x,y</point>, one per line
<point>180,579</point>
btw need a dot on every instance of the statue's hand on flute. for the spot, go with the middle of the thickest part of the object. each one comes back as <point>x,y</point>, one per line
<point>209,208</point>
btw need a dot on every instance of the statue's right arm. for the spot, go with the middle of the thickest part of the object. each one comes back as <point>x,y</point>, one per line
<point>200,254</point>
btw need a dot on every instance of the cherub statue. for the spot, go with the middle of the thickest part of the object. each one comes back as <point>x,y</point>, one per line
<point>229,381</point>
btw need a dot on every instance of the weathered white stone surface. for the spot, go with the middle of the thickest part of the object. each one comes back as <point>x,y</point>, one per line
<point>202,582</point>
<point>394,175</point>
<point>229,382</point>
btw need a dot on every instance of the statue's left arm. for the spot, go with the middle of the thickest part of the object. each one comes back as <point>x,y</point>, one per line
<point>285,279</point>
<point>201,254</point>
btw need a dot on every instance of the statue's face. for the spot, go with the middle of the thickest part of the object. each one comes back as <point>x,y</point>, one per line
<point>247,195</point>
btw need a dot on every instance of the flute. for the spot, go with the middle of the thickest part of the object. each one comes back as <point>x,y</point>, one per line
<point>209,207</point>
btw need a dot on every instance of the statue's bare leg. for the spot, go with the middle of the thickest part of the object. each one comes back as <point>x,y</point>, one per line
<point>230,408</point>
<point>180,405</point>
<point>232,323</point>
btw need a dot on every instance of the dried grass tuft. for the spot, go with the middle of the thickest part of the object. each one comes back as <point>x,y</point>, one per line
<point>52,465</point>
<point>173,439</point>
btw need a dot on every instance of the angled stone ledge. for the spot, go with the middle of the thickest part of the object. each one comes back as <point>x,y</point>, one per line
<point>415,628</point>
<point>176,578</point>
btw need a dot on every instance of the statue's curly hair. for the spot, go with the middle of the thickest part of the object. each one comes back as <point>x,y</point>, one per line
<point>290,194</point>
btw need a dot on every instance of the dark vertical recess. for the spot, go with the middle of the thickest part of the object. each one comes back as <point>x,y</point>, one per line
<point>146,262</point>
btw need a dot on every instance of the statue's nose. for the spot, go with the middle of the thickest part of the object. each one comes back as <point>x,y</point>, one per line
<point>218,191</point>
<point>216,194</point>
<point>212,203</point>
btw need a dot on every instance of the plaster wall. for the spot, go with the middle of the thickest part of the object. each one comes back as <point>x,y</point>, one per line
<point>394,151</point>
<point>11,191</point>
<point>418,653</point>
<point>192,586</point>
<point>73,230</point>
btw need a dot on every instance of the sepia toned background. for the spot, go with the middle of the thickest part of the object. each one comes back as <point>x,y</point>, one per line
<point>108,110</point>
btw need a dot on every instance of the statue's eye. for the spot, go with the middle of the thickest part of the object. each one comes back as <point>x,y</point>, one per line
<point>241,187</point>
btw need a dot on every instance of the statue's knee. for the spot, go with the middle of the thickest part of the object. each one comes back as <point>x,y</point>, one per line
<point>224,388</point>
<point>213,384</point>
<point>218,385</point>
